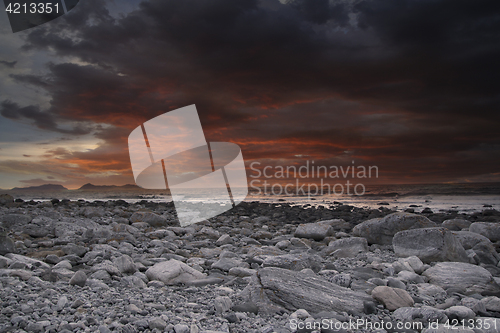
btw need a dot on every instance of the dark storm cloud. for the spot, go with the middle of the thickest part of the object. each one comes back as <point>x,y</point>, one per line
<point>422,76</point>
<point>9,64</point>
<point>40,119</point>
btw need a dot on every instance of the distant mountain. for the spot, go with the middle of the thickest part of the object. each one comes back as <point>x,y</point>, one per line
<point>92,187</point>
<point>46,187</point>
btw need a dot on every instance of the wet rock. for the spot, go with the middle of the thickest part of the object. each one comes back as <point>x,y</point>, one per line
<point>429,244</point>
<point>6,199</point>
<point>381,230</point>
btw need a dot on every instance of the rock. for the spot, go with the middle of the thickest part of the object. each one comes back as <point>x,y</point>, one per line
<point>473,279</point>
<point>30,262</point>
<point>470,239</point>
<point>487,229</point>
<point>431,290</point>
<point>150,218</point>
<point>5,199</point>
<point>242,272</point>
<point>316,231</point>
<point>460,312</point>
<point>425,315</point>
<point>133,282</point>
<point>248,307</point>
<point>346,247</point>
<point>491,303</point>
<point>125,264</point>
<point>429,244</point>
<point>6,245</point>
<point>343,280</point>
<point>225,264</point>
<point>222,304</point>
<point>180,328</point>
<point>157,323</point>
<point>395,283</point>
<point>78,279</point>
<point>173,272</point>
<point>11,220</point>
<point>295,261</point>
<point>392,298</point>
<point>474,304</point>
<point>107,266</point>
<point>293,290</point>
<point>223,240</point>
<point>381,230</point>
<point>456,224</point>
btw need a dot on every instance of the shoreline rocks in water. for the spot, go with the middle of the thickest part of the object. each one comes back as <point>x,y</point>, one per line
<point>113,266</point>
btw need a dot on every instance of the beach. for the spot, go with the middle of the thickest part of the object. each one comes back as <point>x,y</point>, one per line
<point>86,266</point>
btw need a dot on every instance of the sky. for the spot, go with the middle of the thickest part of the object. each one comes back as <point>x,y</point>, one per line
<point>409,86</point>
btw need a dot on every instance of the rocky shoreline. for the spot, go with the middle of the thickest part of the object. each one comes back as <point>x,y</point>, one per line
<point>78,266</point>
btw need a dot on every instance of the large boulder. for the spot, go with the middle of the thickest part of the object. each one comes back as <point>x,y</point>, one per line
<point>470,278</point>
<point>381,230</point>
<point>294,261</point>
<point>12,220</point>
<point>470,239</point>
<point>429,244</point>
<point>173,272</point>
<point>5,199</point>
<point>294,290</point>
<point>316,231</point>
<point>489,230</point>
<point>150,218</point>
<point>347,247</point>
<point>456,224</point>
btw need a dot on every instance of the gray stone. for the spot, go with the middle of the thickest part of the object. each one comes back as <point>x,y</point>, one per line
<point>222,304</point>
<point>316,231</point>
<point>470,239</point>
<point>431,290</point>
<point>456,224</point>
<point>7,245</point>
<point>473,279</point>
<point>425,315</point>
<point>392,298</point>
<point>107,266</point>
<point>489,230</point>
<point>294,261</point>
<point>343,280</point>
<point>242,272</point>
<point>225,264</point>
<point>150,218</point>
<point>125,264</point>
<point>78,279</point>
<point>223,240</point>
<point>346,247</point>
<point>460,312</point>
<point>381,230</point>
<point>157,323</point>
<point>173,272</point>
<point>12,220</point>
<point>395,283</point>
<point>30,262</point>
<point>491,303</point>
<point>6,198</point>
<point>293,290</point>
<point>429,244</point>
<point>180,328</point>
<point>133,282</point>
